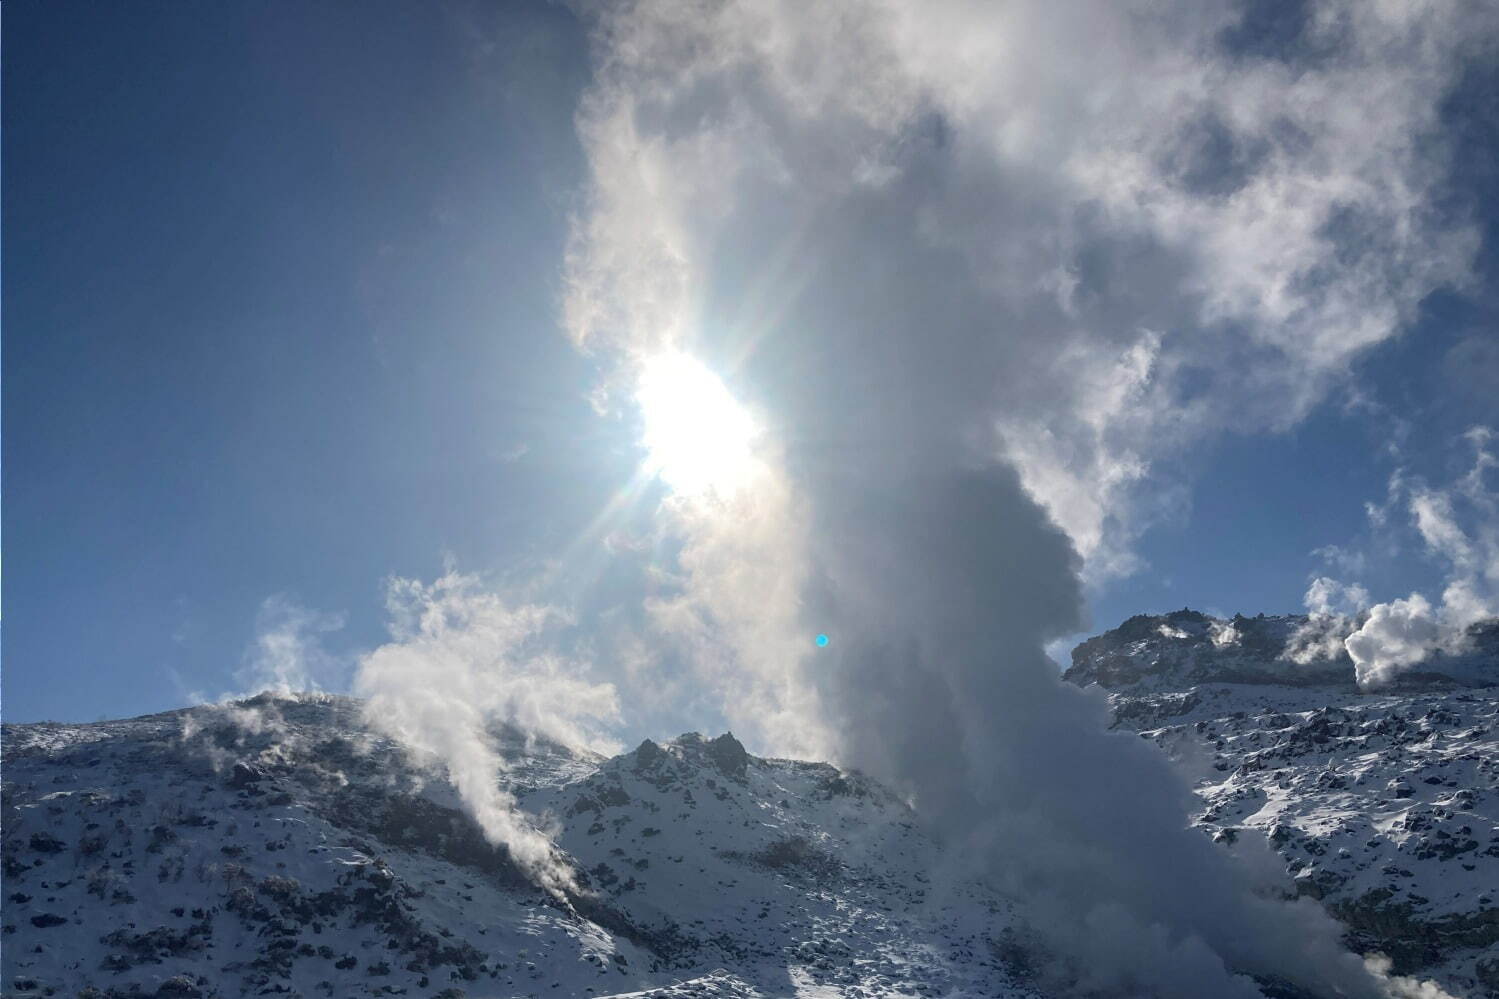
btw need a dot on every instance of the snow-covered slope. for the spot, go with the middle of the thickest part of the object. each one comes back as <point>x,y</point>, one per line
<point>1383,805</point>
<point>277,846</point>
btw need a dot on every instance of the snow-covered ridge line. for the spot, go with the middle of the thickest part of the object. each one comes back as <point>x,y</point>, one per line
<point>1184,648</point>
<point>278,845</point>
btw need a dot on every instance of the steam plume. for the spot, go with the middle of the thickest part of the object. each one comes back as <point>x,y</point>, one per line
<point>983,266</point>
<point>460,659</point>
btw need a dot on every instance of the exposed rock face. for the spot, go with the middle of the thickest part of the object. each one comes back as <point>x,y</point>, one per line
<point>1384,806</point>
<point>727,753</point>
<point>647,755</point>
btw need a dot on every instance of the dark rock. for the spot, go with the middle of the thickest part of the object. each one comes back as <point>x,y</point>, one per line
<point>244,776</point>
<point>1488,975</point>
<point>43,842</point>
<point>729,756</point>
<point>613,797</point>
<point>415,823</point>
<point>179,987</point>
<point>647,755</point>
<point>794,854</point>
<point>155,945</point>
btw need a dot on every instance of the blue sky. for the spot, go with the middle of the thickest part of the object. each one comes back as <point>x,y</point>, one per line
<point>1261,505</point>
<point>279,302</point>
<point>283,315</point>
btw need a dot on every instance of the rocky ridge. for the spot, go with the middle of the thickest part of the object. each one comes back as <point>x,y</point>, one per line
<point>277,846</point>
<point>1384,805</point>
<point>1176,651</point>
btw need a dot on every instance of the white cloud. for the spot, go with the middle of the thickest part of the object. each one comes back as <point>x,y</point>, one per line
<point>513,453</point>
<point>1082,463</point>
<point>1283,210</point>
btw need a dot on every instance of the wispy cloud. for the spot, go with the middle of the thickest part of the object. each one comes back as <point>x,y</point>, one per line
<point>513,453</point>
<point>287,655</point>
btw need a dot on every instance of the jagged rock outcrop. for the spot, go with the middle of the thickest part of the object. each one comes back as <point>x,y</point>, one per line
<point>728,755</point>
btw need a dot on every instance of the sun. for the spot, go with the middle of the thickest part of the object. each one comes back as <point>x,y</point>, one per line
<point>698,438</point>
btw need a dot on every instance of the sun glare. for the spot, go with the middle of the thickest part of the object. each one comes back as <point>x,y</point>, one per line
<point>698,437</point>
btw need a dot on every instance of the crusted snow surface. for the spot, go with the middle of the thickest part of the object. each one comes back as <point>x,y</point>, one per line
<point>277,846</point>
<point>1384,806</point>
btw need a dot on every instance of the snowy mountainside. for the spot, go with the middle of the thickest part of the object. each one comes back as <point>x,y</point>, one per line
<point>1383,805</point>
<point>277,846</point>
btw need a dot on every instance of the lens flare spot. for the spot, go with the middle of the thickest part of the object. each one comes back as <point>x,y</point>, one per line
<point>822,641</point>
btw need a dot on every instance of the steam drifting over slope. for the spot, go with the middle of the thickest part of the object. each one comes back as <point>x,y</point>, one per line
<point>462,658</point>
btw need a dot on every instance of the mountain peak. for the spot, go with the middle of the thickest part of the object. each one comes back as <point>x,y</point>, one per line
<point>728,754</point>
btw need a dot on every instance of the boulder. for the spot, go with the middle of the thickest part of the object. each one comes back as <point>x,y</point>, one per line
<point>244,776</point>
